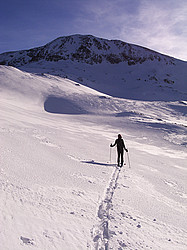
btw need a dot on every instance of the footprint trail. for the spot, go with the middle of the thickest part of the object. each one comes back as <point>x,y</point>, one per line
<point>100,231</point>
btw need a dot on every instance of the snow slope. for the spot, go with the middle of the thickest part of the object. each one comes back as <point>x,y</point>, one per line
<point>137,73</point>
<point>58,188</point>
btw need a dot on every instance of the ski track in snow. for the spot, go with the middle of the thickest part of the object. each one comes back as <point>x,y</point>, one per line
<point>100,232</point>
<point>49,191</point>
<point>126,230</point>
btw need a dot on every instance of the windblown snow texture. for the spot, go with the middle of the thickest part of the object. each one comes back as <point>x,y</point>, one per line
<point>58,188</point>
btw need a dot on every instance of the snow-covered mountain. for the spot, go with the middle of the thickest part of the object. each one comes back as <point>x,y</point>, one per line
<point>98,63</point>
<point>59,184</point>
<point>86,49</point>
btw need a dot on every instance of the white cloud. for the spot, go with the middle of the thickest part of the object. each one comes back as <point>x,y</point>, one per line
<point>158,25</point>
<point>160,29</point>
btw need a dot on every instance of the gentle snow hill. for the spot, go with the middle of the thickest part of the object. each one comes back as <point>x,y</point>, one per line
<point>58,188</point>
<point>137,73</point>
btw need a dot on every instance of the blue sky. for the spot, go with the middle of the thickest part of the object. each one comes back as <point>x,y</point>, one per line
<point>160,25</point>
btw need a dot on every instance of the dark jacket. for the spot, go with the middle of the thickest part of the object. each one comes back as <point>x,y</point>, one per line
<point>120,144</point>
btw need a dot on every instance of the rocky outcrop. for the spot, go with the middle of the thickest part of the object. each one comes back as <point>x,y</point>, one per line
<point>85,49</point>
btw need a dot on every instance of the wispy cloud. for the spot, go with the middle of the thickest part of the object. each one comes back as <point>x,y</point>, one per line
<point>159,25</point>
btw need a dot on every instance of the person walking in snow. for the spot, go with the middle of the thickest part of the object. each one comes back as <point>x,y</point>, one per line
<point>120,149</point>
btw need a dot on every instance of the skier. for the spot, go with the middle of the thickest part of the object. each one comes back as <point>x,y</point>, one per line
<point>120,149</point>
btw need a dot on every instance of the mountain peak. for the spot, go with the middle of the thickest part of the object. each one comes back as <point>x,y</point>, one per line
<point>85,49</point>
<point>112,67</point>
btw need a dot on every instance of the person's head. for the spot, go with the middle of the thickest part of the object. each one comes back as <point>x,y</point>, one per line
<point>119,136</point>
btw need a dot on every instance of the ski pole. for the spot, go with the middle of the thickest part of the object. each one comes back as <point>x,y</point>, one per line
<point>128,160</point>
<point>110,154</point>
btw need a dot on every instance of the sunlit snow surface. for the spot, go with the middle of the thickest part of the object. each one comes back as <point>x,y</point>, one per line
<point>59,187</point>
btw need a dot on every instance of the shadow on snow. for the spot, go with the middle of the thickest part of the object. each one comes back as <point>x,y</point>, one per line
<point>99,163</point>
<point>60,105</point>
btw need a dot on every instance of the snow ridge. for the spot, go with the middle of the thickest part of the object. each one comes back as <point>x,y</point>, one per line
<point>100,232</point>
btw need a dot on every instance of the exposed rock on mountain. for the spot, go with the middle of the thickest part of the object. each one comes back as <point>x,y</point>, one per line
<point>109,66</point>
<point>86,49</point>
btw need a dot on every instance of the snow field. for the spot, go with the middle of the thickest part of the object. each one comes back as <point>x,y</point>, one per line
<point>58,189</point>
